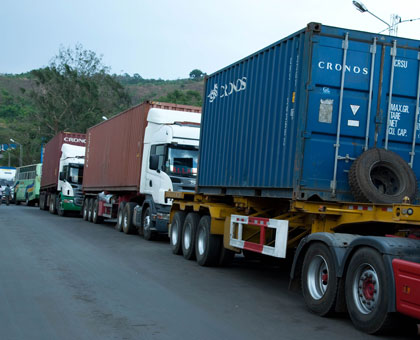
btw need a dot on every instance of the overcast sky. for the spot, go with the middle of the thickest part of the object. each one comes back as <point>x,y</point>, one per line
<point>169,38</point>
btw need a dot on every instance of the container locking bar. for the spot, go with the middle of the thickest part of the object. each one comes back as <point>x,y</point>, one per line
<point>340,110</point>
<point>416,119</point>
<point>372,69</point>
<point>391,83</point>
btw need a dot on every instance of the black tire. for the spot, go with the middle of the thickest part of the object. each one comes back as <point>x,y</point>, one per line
<point>52,207</point>
<point>95,217</point>
<point>226,255</point>
<point>319,280</point>
<point>61,212</point>
<point>207,246</point>
<point>42,203</point>
<point>17,202</point>
<point>189,230</point>
<point>366,288</point>
<point>127,223</point>
<point>118,226</point>
<point>85,209</point>
<point>176,232</point>
<point>382,176</point>
<point>148,233</point>
<point>90,209</point>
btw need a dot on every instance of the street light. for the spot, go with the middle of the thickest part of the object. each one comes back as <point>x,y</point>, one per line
<point>20,152</point>
<point>362,8</point>
<point>395,19</point>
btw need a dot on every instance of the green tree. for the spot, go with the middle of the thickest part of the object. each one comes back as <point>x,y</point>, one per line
<point>189,97</point>
<point>74,92</point>
<point>197,74</point>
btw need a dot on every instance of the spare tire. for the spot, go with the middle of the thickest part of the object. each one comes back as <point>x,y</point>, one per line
<point>382,176</point>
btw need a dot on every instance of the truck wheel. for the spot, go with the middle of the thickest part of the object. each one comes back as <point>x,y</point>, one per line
<point>95,217</point>
<point>319,280</point>
<point>60,211</point>
<point>118,226</point>
<point>52,207</point>
<point>90,209</point>
<point>127,222</point>
<point>85,209</point>
<point>382,176</point>
<point>207,246</point>
<point>366,288</point>
<point>148,234</point>
<point>189,230</point>
<point>41,201</point>
<point>176,232</point>
<point>17,202</point>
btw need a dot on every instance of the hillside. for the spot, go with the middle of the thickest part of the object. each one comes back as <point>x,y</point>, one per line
<point>33,106</point>
<point>144,89</point>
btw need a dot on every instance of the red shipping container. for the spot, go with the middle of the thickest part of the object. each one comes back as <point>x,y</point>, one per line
<point>114,149</point>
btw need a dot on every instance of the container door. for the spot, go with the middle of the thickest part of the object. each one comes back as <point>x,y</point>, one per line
<point>349,109</point>
<point>340,122</point>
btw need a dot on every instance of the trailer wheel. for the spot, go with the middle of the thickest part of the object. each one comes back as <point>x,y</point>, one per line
<point>382,176</point>
<point>319,280</point>
<point>85,209</point>
<point>42,205</point>
<point>176,232</point>
<point>120,213</point>
<point>148,233</point>
<point>207,246</point>
<point>53,209</point>
<point>127,223</point>
<point>189,230</point>
<point>95,217</point>
<point>90,209</point>
<point>366,292</point>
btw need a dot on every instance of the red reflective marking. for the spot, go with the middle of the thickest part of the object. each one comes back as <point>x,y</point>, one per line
<point>258,248</point>
<point>258,221</point>
<point>262,235</point>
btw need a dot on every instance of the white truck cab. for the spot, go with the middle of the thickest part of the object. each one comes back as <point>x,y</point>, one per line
<point>170,157</point>
<point>70,177</point>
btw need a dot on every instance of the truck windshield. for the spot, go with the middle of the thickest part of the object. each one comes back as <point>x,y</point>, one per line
<point>182,161</point>
<point>75,175</point>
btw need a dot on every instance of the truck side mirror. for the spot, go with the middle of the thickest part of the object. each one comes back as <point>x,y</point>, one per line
<point>154,162</point>
<point>62,176</point>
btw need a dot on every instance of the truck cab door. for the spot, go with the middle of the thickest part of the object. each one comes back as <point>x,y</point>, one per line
<point>153,171</point>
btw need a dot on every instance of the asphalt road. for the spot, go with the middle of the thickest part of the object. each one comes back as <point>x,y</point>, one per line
<point>64,278</point>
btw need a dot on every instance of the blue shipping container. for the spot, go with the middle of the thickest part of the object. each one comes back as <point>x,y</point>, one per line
<point>270,123</point>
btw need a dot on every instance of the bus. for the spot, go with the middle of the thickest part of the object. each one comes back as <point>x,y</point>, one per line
<point>27,183</point>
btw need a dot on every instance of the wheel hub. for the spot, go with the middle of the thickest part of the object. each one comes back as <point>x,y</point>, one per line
<point>174,234</point>
<point>366,289</point>
<point>201,242</point>
<point>317,279</point>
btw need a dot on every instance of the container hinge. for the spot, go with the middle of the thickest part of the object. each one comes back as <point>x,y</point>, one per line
<point>307,134</point>
<point>394,50</point>
<point>373,48</point>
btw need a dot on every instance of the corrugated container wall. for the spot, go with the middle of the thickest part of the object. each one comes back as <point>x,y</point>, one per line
<point>114,149</point>
<point>52,154</point>
<point>270,121</point>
